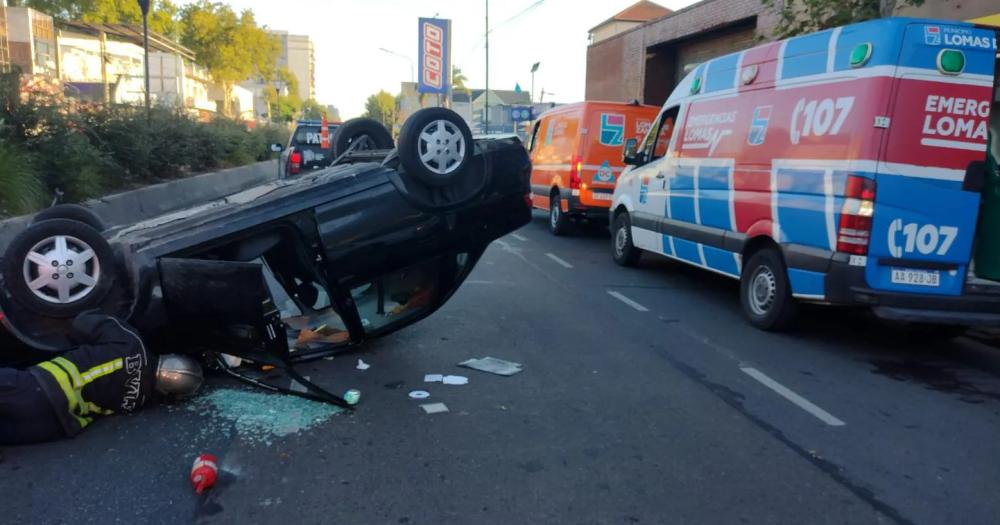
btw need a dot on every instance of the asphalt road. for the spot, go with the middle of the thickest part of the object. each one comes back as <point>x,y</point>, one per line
<point>645,398</point>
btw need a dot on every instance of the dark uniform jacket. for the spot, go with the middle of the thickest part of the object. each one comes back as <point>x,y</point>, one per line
<point>109,372</point>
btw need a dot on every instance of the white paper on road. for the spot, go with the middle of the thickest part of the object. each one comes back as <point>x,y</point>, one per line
<point>363,365</point>
<point>434,408</point>
<point>433,378</point>
<point>420,394</point>
<point>493,366</point>
<point>455,380</point>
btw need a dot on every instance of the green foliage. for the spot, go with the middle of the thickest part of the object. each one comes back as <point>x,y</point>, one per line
<point>312,110</point>
<point>284,108</point>
<point>162,14</point>
<point>232,47</point>
<point>383,108</point>
<point>22,192</point>
<point>808,16</point>
<point>47,150</point>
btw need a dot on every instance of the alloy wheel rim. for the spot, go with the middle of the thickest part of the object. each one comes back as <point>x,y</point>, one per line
<point>61,270</point>
<point>554,214</point>
<point>442,147</point>
<point>621,238</point>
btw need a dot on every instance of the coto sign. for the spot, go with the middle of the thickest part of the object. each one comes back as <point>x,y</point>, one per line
<point>433,56</point>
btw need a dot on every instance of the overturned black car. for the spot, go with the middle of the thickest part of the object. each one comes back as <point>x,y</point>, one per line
<point>288,270</point>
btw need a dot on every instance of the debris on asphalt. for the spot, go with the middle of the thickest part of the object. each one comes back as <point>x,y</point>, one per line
<point>258,417</point>
<point>493,365</point>
<point>434,408</point>
<point>204,472</point>
<point>420,394</point>
<point>455,380</point>
<point>433,378</point>
<point>352,396</point>
<point>363,365</point>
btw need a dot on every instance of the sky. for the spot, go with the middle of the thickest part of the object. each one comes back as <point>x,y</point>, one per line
<point>347,35</point>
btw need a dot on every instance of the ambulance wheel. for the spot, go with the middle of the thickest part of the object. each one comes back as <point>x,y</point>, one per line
<point>73,212</point>
<point>765,293</point>
<point>435,146</point>
<point>362,133</point>
<point>625,253</point>
<point>558,221</point>
<point>58,268</point>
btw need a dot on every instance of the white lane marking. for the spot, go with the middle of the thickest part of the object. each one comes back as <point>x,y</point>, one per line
<point>563,263</point>
<point>518,237</point>
<point>798,400</point>
<point>627,301</point>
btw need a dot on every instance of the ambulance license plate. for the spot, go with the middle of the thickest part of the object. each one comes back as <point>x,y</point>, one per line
<point>601,196</point>
<point>916,277</point>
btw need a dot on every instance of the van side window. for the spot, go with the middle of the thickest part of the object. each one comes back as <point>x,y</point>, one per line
<point>656,144</point>
<point>550,126</point>
<point>534,137</point>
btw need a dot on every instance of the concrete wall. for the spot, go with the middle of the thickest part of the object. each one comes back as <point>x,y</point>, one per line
<point>145,203</point>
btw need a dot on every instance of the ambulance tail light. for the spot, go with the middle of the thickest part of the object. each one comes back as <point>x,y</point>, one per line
<point>295,163</point>
<point>574,173</point>
<point>856,216</point>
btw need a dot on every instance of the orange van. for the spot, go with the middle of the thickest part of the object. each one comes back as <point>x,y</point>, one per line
<point>576,157</point>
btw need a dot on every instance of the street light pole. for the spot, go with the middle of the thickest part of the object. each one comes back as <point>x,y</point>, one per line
<point>408,59</point>
<point>144,6</point>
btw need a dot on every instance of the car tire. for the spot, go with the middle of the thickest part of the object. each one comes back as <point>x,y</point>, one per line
<point>624,252</point>
<point>80,280</point>
<point>73,212</point>
<point>369,134</point>
<point>435,146</point>
<point>558,221</point>
<point>765,292</point>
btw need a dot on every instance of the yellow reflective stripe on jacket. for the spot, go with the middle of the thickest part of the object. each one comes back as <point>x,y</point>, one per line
<point>102,370</point>
<point>68,366</point>
<point>73,398</point>
<point>94,409</point>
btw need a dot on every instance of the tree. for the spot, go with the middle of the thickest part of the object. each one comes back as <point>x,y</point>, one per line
<point>382,107</point>
<point>284,107</point>
<point>232,47</point>
<point>458,80</point>
<point>312,110</point>
<point>807,16</point>
<point>162,13</point>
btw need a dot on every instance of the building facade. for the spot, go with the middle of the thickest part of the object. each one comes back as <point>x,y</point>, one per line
<point>31,41</point>
<point>299,57</point>
<point>631,17</point>
<point>646,62</point>
<point>4,47</point>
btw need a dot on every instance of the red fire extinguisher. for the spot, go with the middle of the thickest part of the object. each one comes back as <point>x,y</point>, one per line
<point>204,472</point>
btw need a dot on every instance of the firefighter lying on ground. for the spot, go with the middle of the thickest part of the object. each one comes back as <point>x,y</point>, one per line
<point>110,372</point>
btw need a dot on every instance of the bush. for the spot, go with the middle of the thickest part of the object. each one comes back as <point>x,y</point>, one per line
<point>20,190</point>
<point>53,145</point>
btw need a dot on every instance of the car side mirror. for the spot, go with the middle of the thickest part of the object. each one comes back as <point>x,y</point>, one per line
<point>277,148</point>
<point>631,156</point>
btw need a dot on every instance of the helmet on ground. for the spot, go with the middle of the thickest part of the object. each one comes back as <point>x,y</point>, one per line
<point>178,375</point>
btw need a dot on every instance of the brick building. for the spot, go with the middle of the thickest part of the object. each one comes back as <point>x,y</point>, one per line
<point>647,61</point>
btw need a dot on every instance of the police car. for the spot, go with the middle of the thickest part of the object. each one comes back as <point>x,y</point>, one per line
<point>842,167</point>
<point>315,144</point>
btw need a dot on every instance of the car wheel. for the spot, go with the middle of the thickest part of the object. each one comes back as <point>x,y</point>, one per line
<point>558,221</point>
<point>765,293</point>
<point>58,268</point>
<point>624,252</point>
<point>435,146</point>
<point>362,133</point>
<point>73,212</point>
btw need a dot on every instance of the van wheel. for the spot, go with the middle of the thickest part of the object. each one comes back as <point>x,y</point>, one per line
<point>765,293</point>
<point>558,221</point>
<point>625,253</point>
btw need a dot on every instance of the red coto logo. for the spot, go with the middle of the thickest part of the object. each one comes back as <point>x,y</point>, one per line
<point>433,55</point>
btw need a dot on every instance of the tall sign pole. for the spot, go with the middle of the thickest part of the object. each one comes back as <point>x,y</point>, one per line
<point>486,117</point>
<point>144,5</point>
